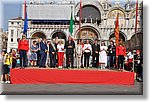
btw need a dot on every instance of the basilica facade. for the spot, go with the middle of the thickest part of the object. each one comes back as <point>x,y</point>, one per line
<point>51,19</point>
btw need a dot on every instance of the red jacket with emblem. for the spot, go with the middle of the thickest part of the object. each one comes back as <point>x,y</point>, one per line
<point>23,45</point>
<point>120,50</point>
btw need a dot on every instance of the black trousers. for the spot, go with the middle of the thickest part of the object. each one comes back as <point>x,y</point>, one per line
<point>95,60</point>
<point>14,63</point>
<point>43,58</point>
<point>38,58</point>
<point>120,61</point>
<point>86,59</point>
<point>69,58</point>
<point>82,60</point>
<point>23,57</point>
<point>52,60</point>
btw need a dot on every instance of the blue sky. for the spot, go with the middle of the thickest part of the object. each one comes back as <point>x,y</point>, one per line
<point>12,9</point>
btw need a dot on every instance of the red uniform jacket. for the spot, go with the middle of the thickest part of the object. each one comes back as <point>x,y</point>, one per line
<point>120,50</point>
<point>23,45</point>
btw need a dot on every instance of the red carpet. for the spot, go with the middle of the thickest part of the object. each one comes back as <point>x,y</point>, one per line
<point>50,76</point>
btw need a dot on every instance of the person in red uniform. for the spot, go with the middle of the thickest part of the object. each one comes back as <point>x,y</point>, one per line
<point>120,54</point>
<point>23,47</point>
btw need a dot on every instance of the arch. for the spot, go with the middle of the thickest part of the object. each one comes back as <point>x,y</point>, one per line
<point>136,42</point>
<point>38,34</point>
<point>91,26</point>
<point>92,33</point>
<point>116,8</point>
<point>138,33</point>
<point>58,33</point>
<point>96,4</point>
<point>122,36</point>
<point>89,11</point>
<point>132,13</point>
<point>133,33</point>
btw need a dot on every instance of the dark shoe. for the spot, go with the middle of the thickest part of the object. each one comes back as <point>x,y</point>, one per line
<point>44,66</point>
<point>21,68</point>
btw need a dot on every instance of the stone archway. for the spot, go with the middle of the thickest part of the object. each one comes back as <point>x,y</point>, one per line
<point>38,34</point>
<point>90,14</point>
<point>87,33</point>
<point>96,4</point>
<point>121,36</point>
<point>59,35</point>
<point>35,35</point>
<point>136,41</point>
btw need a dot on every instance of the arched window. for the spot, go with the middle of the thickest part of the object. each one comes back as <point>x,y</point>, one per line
<point>113,14</point>
<point>90,12</point>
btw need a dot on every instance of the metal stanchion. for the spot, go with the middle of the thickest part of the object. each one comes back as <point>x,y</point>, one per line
<point>133,63</point>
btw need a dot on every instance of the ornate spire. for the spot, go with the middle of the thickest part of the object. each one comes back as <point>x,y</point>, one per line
<point>128,5</point>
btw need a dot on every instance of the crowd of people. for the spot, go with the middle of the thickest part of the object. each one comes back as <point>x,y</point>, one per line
<point>60,54</point>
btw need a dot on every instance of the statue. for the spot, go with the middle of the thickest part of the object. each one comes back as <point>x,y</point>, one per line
<point>128,5</point>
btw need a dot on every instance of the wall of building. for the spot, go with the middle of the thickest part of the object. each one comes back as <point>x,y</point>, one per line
<point>104,30</point>
<point>3,39</point>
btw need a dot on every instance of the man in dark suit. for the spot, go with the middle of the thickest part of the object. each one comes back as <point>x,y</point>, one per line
<point>111,54</point>
<point>38,52</point>
<point>52,53</point>
<point>95,54</point>
<point>43,53</point>
<point>69,46</point>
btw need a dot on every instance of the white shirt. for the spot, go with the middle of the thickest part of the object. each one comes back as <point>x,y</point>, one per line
<point>87,46</point>
<point>103,49</point>
<point>79,49</point>
<point>130,55</point>
<point>59,47</point>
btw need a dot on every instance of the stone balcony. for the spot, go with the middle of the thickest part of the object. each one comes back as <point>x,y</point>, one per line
<point>48,26</point>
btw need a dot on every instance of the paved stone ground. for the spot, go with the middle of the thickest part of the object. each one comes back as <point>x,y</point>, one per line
<point>73,89</point>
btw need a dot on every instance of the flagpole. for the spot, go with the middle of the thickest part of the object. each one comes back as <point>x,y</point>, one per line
<point>135,29</point>
<point>71,14</point>
<point>80,15</point>
<point>136,22</point>
<point>117,35</point>
<point>25,20</point>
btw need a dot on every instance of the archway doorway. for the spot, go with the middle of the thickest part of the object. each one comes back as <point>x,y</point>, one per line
<point>59,35</point>
<point>35,36</point>
<point>38,35</point>
<point>121,36</point>
<point>136,42</point>
<point>88,33</point>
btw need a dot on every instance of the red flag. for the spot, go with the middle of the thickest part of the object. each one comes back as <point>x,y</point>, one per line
<point>136,16</point>
<point>117,30</point>
<point>80,16</point>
